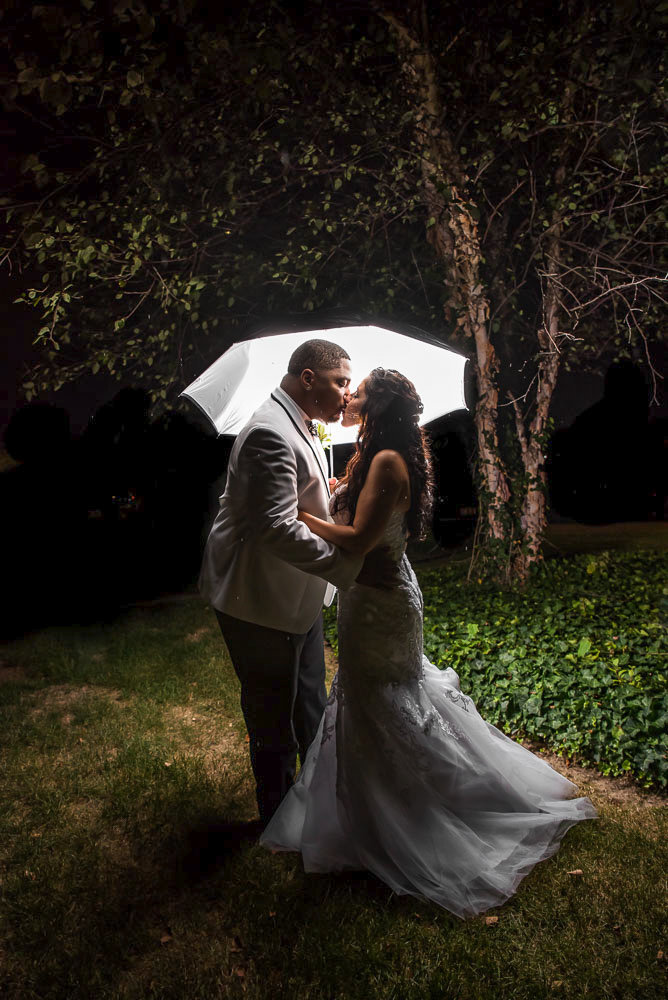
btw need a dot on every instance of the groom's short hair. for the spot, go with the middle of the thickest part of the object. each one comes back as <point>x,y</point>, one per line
<point>318,355</point>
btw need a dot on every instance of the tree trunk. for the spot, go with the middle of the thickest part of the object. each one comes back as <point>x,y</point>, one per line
<point>453,232</point>
<point>534,506</point>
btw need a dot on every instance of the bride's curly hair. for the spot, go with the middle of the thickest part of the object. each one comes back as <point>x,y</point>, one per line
<point>389,419</point>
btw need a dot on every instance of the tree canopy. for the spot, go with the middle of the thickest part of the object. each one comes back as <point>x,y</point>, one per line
<point>494,174</point>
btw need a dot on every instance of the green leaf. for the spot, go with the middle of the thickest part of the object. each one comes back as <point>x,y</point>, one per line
<point>584,646</point>
<point>33,239</point>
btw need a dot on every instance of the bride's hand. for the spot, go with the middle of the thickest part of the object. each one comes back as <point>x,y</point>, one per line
<point>300,515</point>
<point>333,483</point>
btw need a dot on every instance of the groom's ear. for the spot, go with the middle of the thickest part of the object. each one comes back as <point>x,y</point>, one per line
<point>307,378</point>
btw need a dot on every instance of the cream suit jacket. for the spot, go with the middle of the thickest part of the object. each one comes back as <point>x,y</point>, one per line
<point>260,564</point>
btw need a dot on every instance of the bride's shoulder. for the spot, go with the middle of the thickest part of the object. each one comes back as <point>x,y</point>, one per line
<point>389,462</point>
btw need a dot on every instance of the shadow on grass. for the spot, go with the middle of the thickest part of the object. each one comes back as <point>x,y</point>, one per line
<point>206,854</point>
<point>109,915</point>
<point>182,902</point>
<point>211,844</point>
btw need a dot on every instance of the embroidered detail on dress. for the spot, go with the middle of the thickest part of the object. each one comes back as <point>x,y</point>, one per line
<point>329,727</point>
<point>429,721</point>
<point>425,722</point>
<point>457,698</point>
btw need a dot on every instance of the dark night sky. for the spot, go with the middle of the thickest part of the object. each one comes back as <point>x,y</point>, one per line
<point>19,323</point>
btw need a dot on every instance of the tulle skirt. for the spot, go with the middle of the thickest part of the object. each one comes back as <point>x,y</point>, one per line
<point>407,780</point>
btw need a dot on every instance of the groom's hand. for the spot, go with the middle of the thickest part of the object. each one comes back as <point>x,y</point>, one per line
<point>379,570</point>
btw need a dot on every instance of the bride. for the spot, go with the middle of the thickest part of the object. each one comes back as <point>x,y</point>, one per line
<point>404,778</point>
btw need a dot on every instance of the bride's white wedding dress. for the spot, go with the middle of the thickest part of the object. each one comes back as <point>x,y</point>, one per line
<point>406,780</point>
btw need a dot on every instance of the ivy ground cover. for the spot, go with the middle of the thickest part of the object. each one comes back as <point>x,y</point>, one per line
<point>576,660</point>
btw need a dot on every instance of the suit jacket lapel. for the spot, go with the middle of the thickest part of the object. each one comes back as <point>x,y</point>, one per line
<point>318,447</point>
<point>309,440</point>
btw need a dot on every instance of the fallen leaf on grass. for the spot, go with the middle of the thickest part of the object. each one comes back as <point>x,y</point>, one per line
<point>556,983</point>
<point>239,972</point>
<point>576,871</point>
<point>490,921</point>
<point>35,833</point>
<point>272,913</point>
<point>165,938</point>
<point>660,955</point>
<point>168,763</point>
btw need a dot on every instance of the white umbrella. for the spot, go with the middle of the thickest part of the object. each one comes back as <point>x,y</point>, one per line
<point>233,387</point>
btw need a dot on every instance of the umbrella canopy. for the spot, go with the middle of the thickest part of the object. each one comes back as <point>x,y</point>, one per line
<point>234,386</point>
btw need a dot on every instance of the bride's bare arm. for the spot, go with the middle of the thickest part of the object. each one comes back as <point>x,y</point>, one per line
<point>385,488</point>
<point>337,534</point>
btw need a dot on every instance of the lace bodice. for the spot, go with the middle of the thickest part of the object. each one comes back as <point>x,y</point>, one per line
<point>395,534</point>
<point>368,615</point>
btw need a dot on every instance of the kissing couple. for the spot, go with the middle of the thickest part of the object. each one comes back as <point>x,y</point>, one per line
<point>400,775</point>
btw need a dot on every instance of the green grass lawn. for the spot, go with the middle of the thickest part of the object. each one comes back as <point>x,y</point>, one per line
<point>569,538</point>
<point>122,754</point>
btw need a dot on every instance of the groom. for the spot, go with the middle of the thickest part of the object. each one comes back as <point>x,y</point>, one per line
<point>266,575</point>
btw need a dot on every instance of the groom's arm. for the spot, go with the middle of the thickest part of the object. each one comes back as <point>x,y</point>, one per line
<point>269,468</point>
<point>377,502</point>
